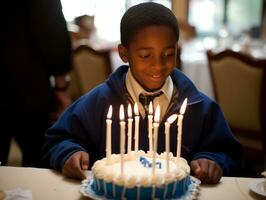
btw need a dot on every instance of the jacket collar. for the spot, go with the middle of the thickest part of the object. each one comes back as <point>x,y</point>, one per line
<point>185,88</point>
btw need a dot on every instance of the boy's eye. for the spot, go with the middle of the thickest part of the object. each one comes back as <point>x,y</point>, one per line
<point>168,54</point>
<point>144,55</point>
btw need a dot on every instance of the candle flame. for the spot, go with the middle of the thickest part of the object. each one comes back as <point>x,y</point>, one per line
<point>150,108</point>
<point>136,109</point>
<point>129,110</point>
<point>121,113</point>
<point>183,107</point>
<point>157,114</point>
<point>172,118</point>
<point>110,112</point>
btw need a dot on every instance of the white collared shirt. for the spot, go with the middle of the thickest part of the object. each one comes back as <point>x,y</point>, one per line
<point>135,89</point>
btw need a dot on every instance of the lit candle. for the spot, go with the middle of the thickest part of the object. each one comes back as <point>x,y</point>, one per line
<point>150,117</point>
<point>167,124</point>
<point>155,135</point>
<point>122,137</point>
<point>108,146</point>
<point>136,136</point>
<point>129,127</point>
<point>179,124</point>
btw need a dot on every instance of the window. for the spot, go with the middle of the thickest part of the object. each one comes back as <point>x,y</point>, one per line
<point>108,13</point>
<point>167,3</point>
<point>210,16</point>
<point>243,15</point>
<point>206,15</point>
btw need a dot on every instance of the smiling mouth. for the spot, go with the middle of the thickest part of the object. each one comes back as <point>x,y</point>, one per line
<point>156,77</point>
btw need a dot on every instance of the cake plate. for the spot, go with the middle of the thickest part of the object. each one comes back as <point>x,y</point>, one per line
<point>87,191</point>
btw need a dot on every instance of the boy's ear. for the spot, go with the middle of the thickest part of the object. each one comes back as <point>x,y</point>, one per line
<point>123,53</point>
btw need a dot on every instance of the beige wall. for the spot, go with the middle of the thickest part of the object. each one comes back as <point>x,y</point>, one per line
<point>180,9</point>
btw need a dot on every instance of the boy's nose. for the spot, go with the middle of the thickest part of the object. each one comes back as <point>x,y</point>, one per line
<point>158,61</point>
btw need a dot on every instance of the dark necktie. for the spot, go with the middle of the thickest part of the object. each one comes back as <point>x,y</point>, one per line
<point>146,99</point>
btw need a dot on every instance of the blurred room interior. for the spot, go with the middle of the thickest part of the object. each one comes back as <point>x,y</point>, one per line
<point>239,25</point>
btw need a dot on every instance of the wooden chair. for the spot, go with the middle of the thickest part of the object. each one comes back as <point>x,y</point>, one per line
<point>91,68</point>
<point>239,83</point>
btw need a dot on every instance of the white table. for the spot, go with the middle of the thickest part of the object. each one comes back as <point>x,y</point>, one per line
<point>48,184</point>
<point>45,184</point>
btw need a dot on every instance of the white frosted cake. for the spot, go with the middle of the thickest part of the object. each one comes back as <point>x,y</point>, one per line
<point>138,181</point>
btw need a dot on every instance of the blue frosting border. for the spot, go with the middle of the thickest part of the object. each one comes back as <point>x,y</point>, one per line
<point>191,192</point>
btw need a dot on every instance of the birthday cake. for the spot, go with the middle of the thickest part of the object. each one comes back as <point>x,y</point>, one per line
<point>138,181</point>
<point>137,174</point>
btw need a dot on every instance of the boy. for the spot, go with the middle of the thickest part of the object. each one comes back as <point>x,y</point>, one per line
<point>149,35</point>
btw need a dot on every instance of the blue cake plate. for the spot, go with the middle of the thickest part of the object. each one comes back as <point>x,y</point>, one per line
<point>191,194</point>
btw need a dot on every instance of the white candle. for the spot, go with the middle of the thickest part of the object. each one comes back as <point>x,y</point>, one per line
<point>179,124</point>
<point>167,124</point>
<point>122,137</point>
<point>155,139</point>
<point>108,146</point>
<point>150,117</point>
<point>136,136</point>
<point>129,128</point>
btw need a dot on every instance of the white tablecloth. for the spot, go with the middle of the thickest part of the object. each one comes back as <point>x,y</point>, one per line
<point>48,184</point>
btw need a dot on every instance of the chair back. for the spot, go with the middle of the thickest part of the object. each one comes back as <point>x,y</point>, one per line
<point>91,68</point>
<point>239,83</point>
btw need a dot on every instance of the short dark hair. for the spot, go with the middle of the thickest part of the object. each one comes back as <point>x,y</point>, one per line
<point>143,15</point>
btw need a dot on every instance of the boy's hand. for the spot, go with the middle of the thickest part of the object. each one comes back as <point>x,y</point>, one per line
<point>75,165</point>
<point>206,170</point>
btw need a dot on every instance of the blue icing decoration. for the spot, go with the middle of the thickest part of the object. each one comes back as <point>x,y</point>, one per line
<point>146,163</point>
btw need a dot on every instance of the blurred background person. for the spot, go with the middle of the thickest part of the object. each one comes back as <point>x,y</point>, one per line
<point>36,49</point>
<point>82,29</point>
<point>86,26</point>
<point>84,32</point>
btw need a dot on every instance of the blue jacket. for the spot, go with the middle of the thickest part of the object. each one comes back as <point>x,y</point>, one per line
<point>82,126</point>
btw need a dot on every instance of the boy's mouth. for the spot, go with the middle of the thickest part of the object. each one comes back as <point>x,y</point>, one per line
<point>156,77</point>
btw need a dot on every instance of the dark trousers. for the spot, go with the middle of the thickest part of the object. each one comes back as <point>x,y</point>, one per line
<point>28,130</point>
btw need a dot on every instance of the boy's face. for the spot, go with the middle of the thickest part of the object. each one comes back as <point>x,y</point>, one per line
<point>151,55</point>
